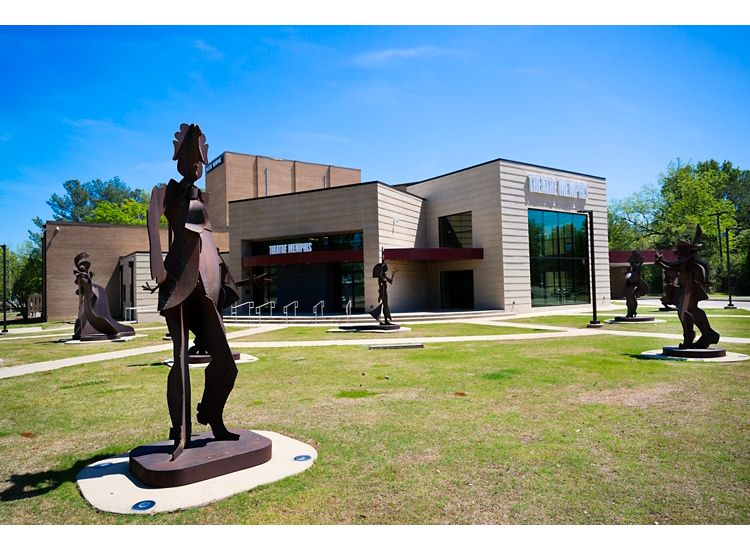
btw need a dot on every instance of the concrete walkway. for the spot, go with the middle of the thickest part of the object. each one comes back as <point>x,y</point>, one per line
<point>19,370</point>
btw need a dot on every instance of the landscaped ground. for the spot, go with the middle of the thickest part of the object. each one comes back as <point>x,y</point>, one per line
<point>737,325</point>
<point>539,431</point>
<point>418,330</point>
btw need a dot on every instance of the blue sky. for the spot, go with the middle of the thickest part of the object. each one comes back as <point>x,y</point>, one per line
<point>401,103</point>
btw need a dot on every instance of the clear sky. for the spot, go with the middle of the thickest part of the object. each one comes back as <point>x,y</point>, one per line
<point>401,103</point>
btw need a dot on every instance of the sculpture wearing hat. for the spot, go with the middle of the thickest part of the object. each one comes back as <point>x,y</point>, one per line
<point>380,271</point>
<point>635,286</point>
<point>692,274</point>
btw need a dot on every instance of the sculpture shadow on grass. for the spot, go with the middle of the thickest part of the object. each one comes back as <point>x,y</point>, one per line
<point>30,485</point>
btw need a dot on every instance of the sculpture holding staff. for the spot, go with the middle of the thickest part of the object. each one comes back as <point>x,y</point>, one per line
<point>193,283</point>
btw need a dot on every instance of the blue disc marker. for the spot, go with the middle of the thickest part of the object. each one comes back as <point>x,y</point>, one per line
<point>302,458</point>
<point>143,505</point>
<point>102,465</point>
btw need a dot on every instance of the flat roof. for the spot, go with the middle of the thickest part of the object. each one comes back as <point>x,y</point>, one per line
<point>285,160</point>
<point>376,182</point>
<point>500,160</point>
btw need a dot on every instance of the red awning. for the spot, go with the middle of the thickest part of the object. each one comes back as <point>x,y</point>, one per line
<point>316,257</point>
<point>433,254</point>
<point>649,256</point>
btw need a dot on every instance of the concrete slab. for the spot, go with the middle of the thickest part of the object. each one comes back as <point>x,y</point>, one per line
<point>730,357</point>
<point>108,485</point>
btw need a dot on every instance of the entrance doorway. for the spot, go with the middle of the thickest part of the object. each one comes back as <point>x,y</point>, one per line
<point>457,289</point>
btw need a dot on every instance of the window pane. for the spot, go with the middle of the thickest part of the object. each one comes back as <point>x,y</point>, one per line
<point>454,231</point>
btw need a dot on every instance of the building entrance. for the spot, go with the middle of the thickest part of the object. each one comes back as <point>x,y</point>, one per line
<point>334,283</point>
<point>457,289</point>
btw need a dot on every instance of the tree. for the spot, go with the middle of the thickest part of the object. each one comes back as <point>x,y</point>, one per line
<point>129,212</point>
<point>688,194</point>
<point>81,199</point>
<point>25,276</point>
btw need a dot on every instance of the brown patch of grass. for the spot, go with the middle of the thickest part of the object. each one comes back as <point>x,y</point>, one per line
<point>630,397</point>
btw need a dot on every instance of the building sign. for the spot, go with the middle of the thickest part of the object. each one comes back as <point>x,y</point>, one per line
<point>557,187</point>
<point>214,163</point>
<point>291,248</point>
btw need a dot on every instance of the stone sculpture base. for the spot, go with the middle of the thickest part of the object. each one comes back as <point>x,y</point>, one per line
<point>199,359</point>
<point>620,319</point>
<point>204,458</point>
<point>693,353</point>
<point>364,328</point>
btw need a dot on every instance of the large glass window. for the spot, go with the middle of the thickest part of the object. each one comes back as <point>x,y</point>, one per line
<point>558,253</point>
<point>455,230</point>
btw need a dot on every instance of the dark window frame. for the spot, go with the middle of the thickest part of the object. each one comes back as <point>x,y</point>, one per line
<point>456,230</point>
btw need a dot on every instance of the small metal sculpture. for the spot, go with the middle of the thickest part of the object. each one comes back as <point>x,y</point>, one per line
<point>94,318</point>
<point>692,274</point>
<point>380,271</point>
<point>671,283</point>
<point>635,286</point>
<point>193,283</point>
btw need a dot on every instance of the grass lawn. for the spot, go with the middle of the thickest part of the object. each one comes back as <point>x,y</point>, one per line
<point>737,326</point>
<point>579,431</point>
<point>20,351</point>
<point>298,332</point>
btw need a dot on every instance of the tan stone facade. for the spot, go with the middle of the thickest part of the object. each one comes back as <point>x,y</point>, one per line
<point>498,195</point>
<point>237,176</point>
<point>105,244</point>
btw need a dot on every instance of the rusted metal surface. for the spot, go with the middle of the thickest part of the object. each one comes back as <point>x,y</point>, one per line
<point>94,321</point>
<point>380,272</point>
<point>194,285</point>
<point>688,289</point>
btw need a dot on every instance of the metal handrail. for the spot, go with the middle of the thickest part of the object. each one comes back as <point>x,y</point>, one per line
<point>348,309</point>
<point>238,306</point>
<point>272,305</point>
<point>295,303</point>
<point>322,304</point>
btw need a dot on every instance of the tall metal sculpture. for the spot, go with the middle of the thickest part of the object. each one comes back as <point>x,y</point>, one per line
<point>635,287</point>
<point>94,318</point>
<point>692,274</point>
<point>380,271</point>
<point>192,286</point>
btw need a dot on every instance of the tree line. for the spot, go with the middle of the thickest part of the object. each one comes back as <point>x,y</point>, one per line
<point>656,216</point>
<point>96,201</point>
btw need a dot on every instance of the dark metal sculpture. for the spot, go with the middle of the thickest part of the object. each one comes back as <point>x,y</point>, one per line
<point>380,271</point>
<point>692,274</point>
<point>193,285</point>
<point>671,283</point>
<point>635,287</point>
<point>94,318</point>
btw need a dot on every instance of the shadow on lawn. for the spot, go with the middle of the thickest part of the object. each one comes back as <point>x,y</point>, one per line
<point>33,485</point>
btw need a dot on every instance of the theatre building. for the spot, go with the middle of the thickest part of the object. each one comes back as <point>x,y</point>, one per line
<point>499,235</point>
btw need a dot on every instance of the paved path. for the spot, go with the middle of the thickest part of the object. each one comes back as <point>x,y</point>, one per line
<point>19,370</point>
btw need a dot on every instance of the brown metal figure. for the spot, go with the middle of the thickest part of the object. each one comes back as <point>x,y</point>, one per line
<point>192,286</point>
<point>693,277</point>
<point>671,283</point>
<point>635,286</point>
<point>94,319</point>
<point>380,272</point>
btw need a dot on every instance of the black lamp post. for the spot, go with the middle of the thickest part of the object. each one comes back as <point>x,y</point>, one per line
<point>730,305</point>
<point>5,288</point>
<point>595,322</point>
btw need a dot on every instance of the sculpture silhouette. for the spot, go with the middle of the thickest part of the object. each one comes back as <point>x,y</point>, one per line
<point>635,286</point>
<point>94,319</point>
<point>193,283</point>
<point>692,274</point>
<point>380,272</point>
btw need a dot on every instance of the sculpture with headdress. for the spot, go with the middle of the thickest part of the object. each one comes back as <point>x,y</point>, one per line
<point>380,272</point>
<point>692,274</point>
<point>94,320</point>
<point>635,286</point>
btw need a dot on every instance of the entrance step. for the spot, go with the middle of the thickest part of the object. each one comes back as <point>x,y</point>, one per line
<point>441,315</point>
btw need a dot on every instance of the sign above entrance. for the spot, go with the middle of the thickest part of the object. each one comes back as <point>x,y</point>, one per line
<point>291,248</point>
<point>557,187</point>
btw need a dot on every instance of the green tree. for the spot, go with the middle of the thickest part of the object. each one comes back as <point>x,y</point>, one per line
<point>129,212</point>
<point>80,199</point>
<point>24,276</point>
